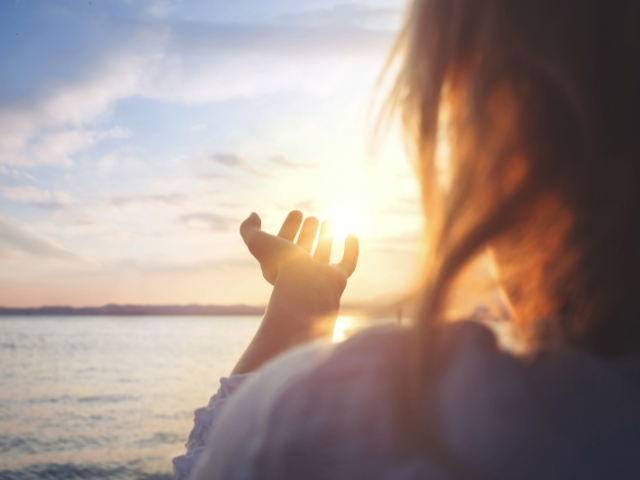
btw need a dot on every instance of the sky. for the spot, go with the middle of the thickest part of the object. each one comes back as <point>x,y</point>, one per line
<point>136,135</point>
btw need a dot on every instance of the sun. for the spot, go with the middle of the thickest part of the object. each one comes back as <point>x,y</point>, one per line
<point>347,219</point>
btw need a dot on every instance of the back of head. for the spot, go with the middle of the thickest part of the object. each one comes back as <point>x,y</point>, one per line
<point>540,101</point>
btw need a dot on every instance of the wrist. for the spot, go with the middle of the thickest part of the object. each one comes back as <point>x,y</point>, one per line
<point>283,327</point>
<point>297,317</point>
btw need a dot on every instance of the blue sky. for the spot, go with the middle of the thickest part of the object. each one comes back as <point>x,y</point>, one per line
<point>135,135</point>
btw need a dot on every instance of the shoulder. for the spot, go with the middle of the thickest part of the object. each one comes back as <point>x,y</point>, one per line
<point>555,413</point>
<point>239,434</point>
<point>332,411</point>
<point>323,404</point>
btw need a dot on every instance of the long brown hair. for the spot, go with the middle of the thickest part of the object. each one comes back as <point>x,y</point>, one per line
<point>542,103</point>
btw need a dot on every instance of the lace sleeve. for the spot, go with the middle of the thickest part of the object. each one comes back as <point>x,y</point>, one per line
<point>204,419</point>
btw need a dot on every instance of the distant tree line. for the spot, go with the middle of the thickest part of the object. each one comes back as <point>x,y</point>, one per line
<point>139,310</point>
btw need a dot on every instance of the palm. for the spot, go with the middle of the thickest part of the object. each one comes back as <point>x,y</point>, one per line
<point>277,252</point>
<point>305,301</point>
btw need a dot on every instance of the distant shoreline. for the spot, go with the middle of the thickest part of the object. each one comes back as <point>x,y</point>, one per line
<point>137,310</point>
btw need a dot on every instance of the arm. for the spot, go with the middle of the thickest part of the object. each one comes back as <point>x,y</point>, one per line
<point>305,301</point>
<point>303,306</point>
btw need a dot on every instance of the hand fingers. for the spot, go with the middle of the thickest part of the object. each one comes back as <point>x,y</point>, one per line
<point>350,257</point>
<point>308,233</point>
<point>325,240</point>
<point>266,248</point>
<point>291,226</point>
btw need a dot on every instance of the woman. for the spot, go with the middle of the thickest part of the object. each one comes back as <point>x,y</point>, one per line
<point>539,101</point>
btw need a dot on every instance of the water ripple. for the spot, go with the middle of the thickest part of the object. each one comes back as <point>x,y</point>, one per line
<point>69,471</point>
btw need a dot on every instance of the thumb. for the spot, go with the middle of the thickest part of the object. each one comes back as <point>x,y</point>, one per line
<point>250,227</point>
<point>266,248</point>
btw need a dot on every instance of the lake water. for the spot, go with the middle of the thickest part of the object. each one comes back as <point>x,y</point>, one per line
<point>107,397</point>
<point>110,397</point>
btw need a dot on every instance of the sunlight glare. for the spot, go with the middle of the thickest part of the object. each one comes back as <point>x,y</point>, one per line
<point>443,147</point>
<point>344,327</point>
<point>347,219</point>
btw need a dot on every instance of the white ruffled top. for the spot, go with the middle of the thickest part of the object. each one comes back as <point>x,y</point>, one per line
<point>332,411</point>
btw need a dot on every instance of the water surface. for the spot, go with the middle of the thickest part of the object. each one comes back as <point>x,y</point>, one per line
<point>107,397</point>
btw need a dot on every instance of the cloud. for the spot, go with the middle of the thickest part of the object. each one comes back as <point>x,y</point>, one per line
<point>228,159</point>
<point>38,145</point>
<point>18,240</point>
<point>213,176</point>
<point>17,174</point>
<point>183,61</point>
<point>173,199</point>
<point>50,130</point>
<point>308,206</point>
<point>203,265</point>
<point>52,123</point>
<point>108,162</point>
<point>57,148</point>
<point>349,15</point>
<point>34,196</point>
<point>284,162</point>
<point>231,160</point>
<point>207,221</point>
<point>343,32</point>
<point>121,158</point>
<point>160,8</point>
<point>209,61</point>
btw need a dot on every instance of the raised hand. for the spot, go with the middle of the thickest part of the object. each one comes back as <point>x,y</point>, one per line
<point>305,301</point>
<point>275,253</point>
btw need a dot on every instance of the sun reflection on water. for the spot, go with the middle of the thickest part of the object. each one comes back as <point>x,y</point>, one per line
<point>345,326</point>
